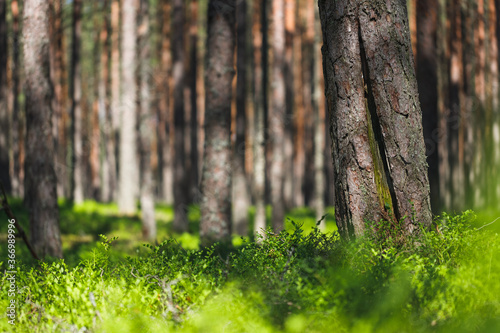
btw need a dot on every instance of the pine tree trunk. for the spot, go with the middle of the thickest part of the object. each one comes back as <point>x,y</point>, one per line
<point>4,92</point>
<point>193,74</point>
<point>40,183</point>
<point>277,115</point>
<point>178,73</point>
<point>115,94</point>
<point>95,129</point>
<point>259,174</point>
<point>240,191</point>
<point>215,206</point>
<point>426,64</point>
<point>128,162</point>
<point>164,110</point>
<point>76,107</point>
<point>145,127</point>
<point>371,89</point>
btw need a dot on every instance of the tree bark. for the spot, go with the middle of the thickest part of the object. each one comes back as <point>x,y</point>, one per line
<point>128,163</point>
<point>178,70</point>
<point>76,107</point>
<point>215,207</point>
<point>40,183</point>
<point>378,147</point>
<point>193,74</point>
<point>95,129</point>
<point>146,126</point>
<point>115,95</point>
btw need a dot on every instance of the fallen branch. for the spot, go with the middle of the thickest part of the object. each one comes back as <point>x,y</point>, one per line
<point>10,214</point>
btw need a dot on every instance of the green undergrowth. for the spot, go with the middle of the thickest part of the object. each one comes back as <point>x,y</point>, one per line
<point>302,280</point>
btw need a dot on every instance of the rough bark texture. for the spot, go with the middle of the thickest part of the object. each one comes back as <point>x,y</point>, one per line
<point>76,107</point>
<point>240,192</point>
<point>40,183</point>
<point>215,206</point>
<point>378,147</point>
<point>277,115</point>
<point>4,112</point>
<point>146,125</point>
<point>128,157</point>
<point>178,74</point>
<point>259,159</point>
<point>426,58</point>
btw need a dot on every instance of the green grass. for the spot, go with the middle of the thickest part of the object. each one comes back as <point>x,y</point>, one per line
<point>301,280</point>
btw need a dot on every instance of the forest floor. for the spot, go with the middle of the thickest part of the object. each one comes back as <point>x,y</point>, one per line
<point>302,280</point>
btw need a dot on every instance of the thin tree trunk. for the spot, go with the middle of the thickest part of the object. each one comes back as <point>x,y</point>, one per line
<point>193,75</point>
<point>259,158</point>
<point>95,145</point>
<point>319,119</point>
<point>240,191</point>
<point>178,71</point>
<point>17,119</point>
<point>299,157</point>
<point>41,180</point>
<point>4,92</point>
<point>115,95</point>
<point>127,186</point>
<point>165,152</point>
<point>277,115</point>
<point>215,206</point>
<point>108,160</point>
<point>145,127</point>
<point>426,64</point>
<point>371,89</point>
<point>76,107</point>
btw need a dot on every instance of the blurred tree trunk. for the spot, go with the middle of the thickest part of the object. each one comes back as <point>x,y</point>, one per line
<point>178,73</point>
<point>146,126</point>
<point>496,115</point>
<point>193,74</point>
<point>277,115</point>
<point>128,163</point>
<point>41,181</point>
<point>95,131</point>
<point>17,126</point>
<point>115,96</point>
<point>259,157</point>
<point>378,145</point>
<point>290,23</point>
<point>4,92</point>
<point>240,191</point>
<point>215,207</point>
<point>164,105</point>
<point>299,156</point>
<point>108,142</point>
<point>319,117</point>
<point>76,107</point>
<point>426,65</point>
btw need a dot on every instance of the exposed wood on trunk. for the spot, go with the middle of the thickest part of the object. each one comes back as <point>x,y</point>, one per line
<point>40,183</point>
<point>215,224</point>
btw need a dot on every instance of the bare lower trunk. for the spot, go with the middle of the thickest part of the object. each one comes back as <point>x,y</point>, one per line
<point>378,147</point>
<point>215,206</point>
<point>4,113</point>
<point>115,94</point>
<point>40,183</point>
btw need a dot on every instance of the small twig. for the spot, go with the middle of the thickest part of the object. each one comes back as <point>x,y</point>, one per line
<point>481,227</point>
<point>8,211</point>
